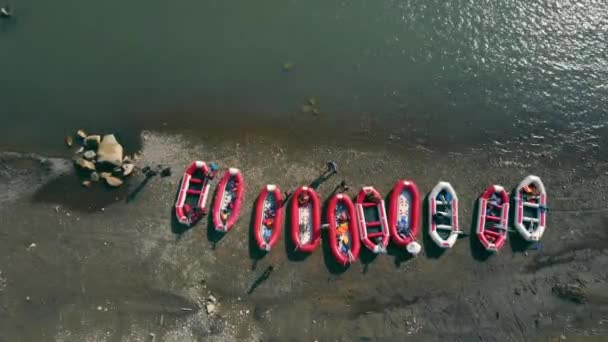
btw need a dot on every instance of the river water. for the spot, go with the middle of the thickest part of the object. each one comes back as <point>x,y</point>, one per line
<point>436,73</point>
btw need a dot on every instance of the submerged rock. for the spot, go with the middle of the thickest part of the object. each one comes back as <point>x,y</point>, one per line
<point>84,164</point>
<point>287,66</point>
<point>113,181</point>
<point>110,151</point>
<point>92,141</point>
<point>307,109</point>
<point>89,155</point>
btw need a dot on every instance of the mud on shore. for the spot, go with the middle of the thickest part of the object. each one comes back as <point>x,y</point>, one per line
<point>97,265</point>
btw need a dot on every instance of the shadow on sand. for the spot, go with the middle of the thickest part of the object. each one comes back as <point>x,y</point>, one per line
<point>131,196</point>
<point>67,191</point>
<point>430,247</point>
<point>255,253</point>
<point>213,236</point>
<point>178,228</point>
<point>321,179</point>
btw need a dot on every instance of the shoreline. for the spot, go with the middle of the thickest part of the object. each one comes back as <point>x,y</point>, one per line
<point>127,258</point>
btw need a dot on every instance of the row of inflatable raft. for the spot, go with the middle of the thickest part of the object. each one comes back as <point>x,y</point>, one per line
<point>364,221</point>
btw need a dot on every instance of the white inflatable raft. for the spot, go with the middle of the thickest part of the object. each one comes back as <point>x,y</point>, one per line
<point>443,215</point>
<point>531,208</point>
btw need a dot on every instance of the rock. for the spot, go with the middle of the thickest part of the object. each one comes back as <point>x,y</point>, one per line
<point>127,169</point>
<point>95,176</point>
<point>117,171</point>
<point>92,141</point>
<point>212,299</point>
<point>79,150</point>
<point>126,159</point>
<point>86,183</point>
<point>166,172</point>
<point>104,175</point>
<point>312,101</point>
<point>210,309</point>
<point>84,164</point>
<point>89,155</point>
<point>69,141</point>
<point>113,181</point>
<point>516,291</point>
<point>316,111</point>
<point>81,134</point>
<point>109,151</point>
<point>31,246</point>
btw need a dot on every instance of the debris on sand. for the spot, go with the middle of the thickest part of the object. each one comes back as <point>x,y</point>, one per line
<point>212,299</point>
<point>572,292</point>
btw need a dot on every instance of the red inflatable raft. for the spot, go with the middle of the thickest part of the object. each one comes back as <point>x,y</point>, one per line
<point>373,226</point>
<point>195,183</point>
<point>493,218</point>
<point>228,200</point>
<point>268,218</point>
<point>305,220</point>
<point>404,215</point>
<point>343,231</point>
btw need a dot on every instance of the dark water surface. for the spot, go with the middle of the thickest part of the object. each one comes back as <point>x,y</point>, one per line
<point>438,73</point>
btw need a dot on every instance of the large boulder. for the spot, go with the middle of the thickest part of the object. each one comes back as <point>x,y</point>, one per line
<point>109,151</point>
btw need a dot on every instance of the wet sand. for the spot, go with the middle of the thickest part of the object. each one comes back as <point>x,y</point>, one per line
<point>107,269</point>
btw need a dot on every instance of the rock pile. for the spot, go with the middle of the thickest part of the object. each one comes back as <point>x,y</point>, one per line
<point>100,158</point>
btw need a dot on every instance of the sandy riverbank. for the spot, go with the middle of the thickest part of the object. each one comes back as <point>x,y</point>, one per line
<point>114,274</point>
